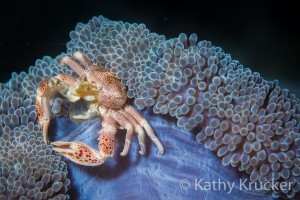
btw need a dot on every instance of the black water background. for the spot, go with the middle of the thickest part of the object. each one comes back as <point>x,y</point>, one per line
<point>261,35</point>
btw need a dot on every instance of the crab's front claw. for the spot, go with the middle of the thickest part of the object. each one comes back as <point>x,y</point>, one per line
<point>79,153</point>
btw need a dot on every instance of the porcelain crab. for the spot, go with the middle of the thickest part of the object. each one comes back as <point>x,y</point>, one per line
<point>106,98</point>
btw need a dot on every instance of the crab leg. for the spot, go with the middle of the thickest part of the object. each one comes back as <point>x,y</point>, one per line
<point>139,130</point>
<point>43,107</point>
<point>107,136</point>
<point>143,122</point>
<point>123,121</point>
<point>83,60</point>
<point>45,92</point>
<point>66,60</point>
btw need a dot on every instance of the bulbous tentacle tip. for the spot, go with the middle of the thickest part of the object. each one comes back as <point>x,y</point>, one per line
<point>79,153</point>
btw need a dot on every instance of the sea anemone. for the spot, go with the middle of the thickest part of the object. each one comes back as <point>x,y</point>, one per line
<point>251,123</point>
<point>28,167</point>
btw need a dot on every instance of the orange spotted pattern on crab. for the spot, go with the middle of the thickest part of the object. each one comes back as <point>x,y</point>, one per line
<point>114,94</point>
<point>43,86</point>
<point>39,110</point>
<point>108,78</point>
<point>107,144</point>
<point>83,154</point>
<point>100,69</point>
<point>111,80</point>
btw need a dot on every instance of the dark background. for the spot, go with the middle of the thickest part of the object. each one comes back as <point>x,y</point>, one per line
<point>262,36</point>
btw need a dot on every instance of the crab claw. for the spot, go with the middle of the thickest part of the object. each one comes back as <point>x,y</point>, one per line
<point>79,153</point>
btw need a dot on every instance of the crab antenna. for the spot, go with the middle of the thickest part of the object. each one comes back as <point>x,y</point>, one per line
<point>66,60</point>
<point>84,61</point>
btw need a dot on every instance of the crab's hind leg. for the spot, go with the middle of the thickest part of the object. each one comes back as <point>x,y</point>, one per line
<point>139,130</point>
<point>45,92</point>
<point>124,122</point>
<point>144,123</point>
